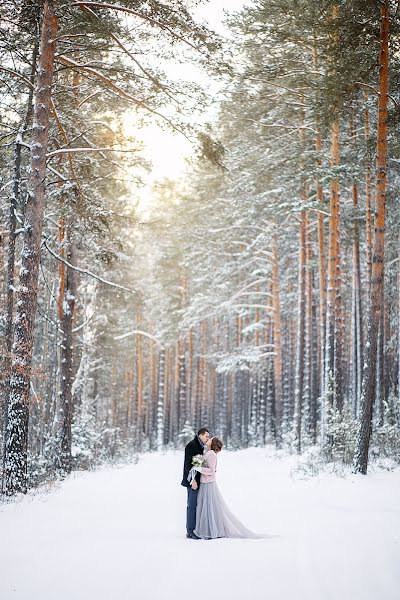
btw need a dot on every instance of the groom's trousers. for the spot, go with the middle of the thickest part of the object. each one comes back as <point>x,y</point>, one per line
<point>191,509</point>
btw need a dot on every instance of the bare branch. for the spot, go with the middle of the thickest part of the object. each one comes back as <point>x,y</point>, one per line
<point>16,74</point>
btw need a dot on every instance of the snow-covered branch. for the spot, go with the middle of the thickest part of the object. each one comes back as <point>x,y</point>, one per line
<point>86,272</point>
<point>87,149</point>
<point>138,332</point>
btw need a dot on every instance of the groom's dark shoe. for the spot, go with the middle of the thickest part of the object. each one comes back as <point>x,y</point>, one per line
<point>192,536</point>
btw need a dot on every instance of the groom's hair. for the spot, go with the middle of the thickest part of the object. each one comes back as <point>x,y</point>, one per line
<point>202,431</point>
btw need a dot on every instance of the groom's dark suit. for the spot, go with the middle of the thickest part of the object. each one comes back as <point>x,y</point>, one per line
<point>192,448</point>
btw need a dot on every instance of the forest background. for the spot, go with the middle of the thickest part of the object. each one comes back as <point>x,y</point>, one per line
<point>258,293</point>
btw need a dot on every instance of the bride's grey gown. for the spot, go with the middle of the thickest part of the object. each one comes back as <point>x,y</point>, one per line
<point>213,517</point>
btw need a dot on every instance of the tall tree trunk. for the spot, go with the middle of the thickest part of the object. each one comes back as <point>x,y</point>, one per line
<point>368,207</point>
<point>377,280</point>
<point>161,399</point>
<point>357,341</point>
<point>301,315</point>
<point>15,476</point>
<point>139,381</point>
<point>189,383</point>
<point>398,324</point>
<point>321,248</point>
<point>277,342</point>
<point>333,269</point>
<point>12,223</point>
<point>66,363</point>
<point>380,373</point>
<point>315,368</point>
<point>310,392</point>
<point>301,310</point>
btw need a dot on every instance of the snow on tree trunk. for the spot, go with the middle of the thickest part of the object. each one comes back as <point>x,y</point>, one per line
<point>368,206</point>
<point>15,476</point>
<point>321,247</point>
<point>12,223</point>
<point>356,311</point>
<point>377,279</point>
<point>139,380</point>
<point>277,342</point>
<point>331,362</point>
<point>182,387</point>
<point>66,356</point>
<point>298,398</point>
<point>161,398</point>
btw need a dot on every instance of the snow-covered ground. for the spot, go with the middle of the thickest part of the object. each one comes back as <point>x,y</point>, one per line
<point>119,533</point>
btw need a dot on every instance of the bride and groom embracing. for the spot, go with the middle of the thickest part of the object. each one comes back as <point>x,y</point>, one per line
<point>207,515</point>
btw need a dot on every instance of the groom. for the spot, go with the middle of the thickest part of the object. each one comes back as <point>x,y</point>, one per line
<point>196,446</point>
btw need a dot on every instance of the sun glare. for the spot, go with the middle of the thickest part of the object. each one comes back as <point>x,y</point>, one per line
<point>166,152</point>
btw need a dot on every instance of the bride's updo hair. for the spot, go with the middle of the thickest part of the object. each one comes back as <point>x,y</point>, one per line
<point>216,444</point>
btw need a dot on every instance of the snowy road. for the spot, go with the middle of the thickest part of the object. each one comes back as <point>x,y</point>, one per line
<point>119,533</point>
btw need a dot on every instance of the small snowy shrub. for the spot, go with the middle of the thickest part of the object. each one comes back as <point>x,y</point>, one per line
<point>84,439</point>
<point>385,441</point>
<point>341,435</point>
<point>310,463</point>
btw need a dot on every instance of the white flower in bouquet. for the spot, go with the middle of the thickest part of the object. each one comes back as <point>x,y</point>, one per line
<point>198,460</point>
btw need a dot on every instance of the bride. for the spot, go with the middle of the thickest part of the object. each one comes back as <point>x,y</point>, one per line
<point>213,517</point>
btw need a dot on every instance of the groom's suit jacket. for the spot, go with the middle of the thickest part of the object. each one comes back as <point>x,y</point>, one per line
<point>192,448</point>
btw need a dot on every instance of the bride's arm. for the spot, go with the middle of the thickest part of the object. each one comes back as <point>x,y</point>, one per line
<point>211,462</point>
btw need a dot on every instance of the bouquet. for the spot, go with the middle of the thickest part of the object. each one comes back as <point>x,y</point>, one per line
<point>198,460</point>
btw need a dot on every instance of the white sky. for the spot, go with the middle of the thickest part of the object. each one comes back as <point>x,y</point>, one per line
<point>166,150</point>
<point>213,12</point>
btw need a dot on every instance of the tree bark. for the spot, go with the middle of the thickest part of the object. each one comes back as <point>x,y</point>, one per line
<point>368,209</point>
<point>161,399</point>
<point>333,270</point>
<point>15,476</point>
<point>66,366</point>
<point>377,279</point>
<point>277,342</point>
<point>321,248</point>
<point>357,339</point>
<point>12,223</point>
<point>301,310</point>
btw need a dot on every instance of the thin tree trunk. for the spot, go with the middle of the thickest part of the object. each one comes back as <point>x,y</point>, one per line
<point>333,268</point>
<point>357,341</point>
<point>139,380</point>
<point>66,355</point>
<point>189,386</point>
<point>377,280</point>
<point>321,248</point>
<point>277,342</point>
<point>298,399</point>
<point>368,209</point>
<point>161,399</point>
<point>315,368</point>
